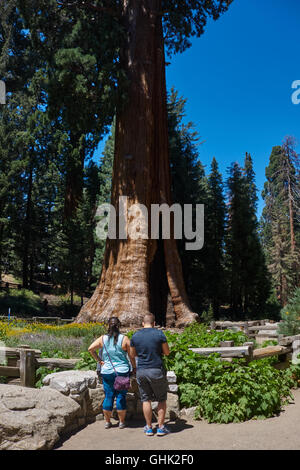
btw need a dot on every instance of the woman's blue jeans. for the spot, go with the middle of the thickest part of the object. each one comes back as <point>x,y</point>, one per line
<point>111,393</point>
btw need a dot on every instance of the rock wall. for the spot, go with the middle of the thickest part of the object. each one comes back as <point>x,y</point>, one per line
<point>35,419</point>
<point>85,388</point>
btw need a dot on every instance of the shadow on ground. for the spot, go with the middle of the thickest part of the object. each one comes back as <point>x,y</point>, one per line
<point>174,426</point>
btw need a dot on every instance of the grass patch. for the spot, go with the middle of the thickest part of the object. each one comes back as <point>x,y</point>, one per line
<point>21,302</point>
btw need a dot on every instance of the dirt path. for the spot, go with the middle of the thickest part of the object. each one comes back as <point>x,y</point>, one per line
<point>282,432</point>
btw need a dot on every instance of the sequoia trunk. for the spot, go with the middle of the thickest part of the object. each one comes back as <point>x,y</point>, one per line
<point>143,275</point>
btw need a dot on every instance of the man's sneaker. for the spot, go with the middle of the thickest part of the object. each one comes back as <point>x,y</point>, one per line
<point>107,425</point>
<point>148,430</point>
<point>162,431</point>
<point>122,425</point>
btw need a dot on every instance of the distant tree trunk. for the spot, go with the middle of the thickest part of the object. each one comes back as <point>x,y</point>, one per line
<point>289,153</point>
<point>138,275</point>
<point>291,211</point>
<point>27,229</point>
<point>74,178</point>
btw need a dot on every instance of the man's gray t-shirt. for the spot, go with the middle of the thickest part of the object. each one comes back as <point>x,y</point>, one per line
<point>148,345</point>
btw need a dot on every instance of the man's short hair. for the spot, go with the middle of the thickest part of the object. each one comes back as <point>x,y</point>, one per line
<point>149,319</point>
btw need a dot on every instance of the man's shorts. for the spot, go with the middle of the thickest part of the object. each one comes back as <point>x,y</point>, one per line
<point>152,384</point>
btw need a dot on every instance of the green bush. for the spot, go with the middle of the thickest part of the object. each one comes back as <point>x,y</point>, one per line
<point>20,302</point>
<point>290,315</point>
<point>226,392</point>
<point>208,316</point>
<point>41,373</point>
<point>86,362</point>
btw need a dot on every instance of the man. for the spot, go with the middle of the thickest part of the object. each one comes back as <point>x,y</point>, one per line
<point>149,345</point>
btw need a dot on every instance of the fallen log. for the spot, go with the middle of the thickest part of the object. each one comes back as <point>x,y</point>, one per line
<point>53,363</point>
<point>270,351</point>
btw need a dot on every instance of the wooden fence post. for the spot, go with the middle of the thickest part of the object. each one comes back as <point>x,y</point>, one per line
<point>296,351</point>
<point>27,367</point>
<point>251,347</point>
<point>246,328</point>
<point>226,344</point>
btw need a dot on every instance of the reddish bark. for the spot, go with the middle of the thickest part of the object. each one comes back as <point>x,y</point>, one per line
<point>139,276</point>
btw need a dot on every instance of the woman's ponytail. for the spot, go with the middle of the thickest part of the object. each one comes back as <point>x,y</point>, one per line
<point>114,328</point>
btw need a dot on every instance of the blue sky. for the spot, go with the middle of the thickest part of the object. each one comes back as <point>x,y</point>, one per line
<point>237,79</point>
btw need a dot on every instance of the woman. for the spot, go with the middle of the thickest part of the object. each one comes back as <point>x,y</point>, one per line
<point>115,347</point>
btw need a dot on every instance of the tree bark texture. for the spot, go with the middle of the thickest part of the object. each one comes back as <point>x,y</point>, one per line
<point>143,275</point>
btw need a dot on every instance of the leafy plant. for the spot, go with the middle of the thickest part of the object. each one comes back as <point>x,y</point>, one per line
<point>41,373</point>
<point>21,302</point>
<point>290,315</point>
<point>208,316</point>
<point>86,362</point>
<point>226,392</point>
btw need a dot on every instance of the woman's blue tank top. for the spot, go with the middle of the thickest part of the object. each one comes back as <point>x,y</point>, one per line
<point>118,356</point>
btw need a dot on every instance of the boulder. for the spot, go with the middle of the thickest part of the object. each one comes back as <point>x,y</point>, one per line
<point>171,377</point>
<point>34,419</point>
<point>80,385</point>
<point>71,382</point>
<point>172,411</point>
<point>188,413</point>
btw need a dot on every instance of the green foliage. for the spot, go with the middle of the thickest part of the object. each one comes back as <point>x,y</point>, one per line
<point>281,196</point>
<point>208,316</point>
<point>268,342</point>
<point>20,302</point>
<point>247,275</point>
<point>41,373</point>
<point>290,315</point>
<point>242,393</point>
<point>189,186</point>
<point>225,392</point>
<point>86,362</point>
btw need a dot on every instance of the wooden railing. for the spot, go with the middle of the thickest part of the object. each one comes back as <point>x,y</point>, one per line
<point>56,320</point>
<point>286,345</point>
<point>22,363</point>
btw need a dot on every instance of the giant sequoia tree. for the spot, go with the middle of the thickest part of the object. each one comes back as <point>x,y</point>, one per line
<point>135,34</point>
<point>132,269</point>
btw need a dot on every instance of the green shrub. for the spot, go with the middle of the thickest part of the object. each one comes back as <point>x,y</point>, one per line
<point>21,302</point>
<point>290,315</point>
<point>208,316</point>
<point>225,392</point>
<point>41,373</point>
<point>86,362</point>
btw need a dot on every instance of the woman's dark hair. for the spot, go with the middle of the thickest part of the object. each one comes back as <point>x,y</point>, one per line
<point>114,328</point>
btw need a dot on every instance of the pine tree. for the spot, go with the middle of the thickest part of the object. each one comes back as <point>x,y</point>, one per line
<point>246,270</point>
<point>280,219</point>
<point>215,210</point>
<point>104,197</point>
<point>189,186</point>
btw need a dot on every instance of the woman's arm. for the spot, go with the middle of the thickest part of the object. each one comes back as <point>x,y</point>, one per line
<point>97,344</point>
<point>126,344</point>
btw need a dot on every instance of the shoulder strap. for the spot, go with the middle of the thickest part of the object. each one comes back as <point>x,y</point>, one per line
<point>109,357</point>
